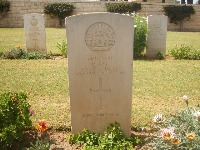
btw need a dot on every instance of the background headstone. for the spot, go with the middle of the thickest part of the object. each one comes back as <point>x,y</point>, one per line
<point>100,57</point>
<point>157,33</point>
<point>35,33</point>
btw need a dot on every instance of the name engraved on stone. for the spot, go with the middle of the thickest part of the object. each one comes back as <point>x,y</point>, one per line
<point>100,37</point>
<point>100,92</point>
<point>100,115</point>
<point>100,66</point>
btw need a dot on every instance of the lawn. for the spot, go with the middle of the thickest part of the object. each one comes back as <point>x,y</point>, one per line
<point>157,85</point>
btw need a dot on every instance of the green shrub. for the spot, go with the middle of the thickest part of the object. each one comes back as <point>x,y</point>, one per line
<point>4,7</point>
<point>185,52</point>
<point>60,10</point>
<point>34,55</point>
<point>14,117</point>
<point>178,132</point>
<point>123,7</point>
<point>18,53</point>
<point>178,13</point>
<point>112,139</point>
<point>160,56</point>
<point>14,53</point>
<point>140,35</point>
<point>62,46</point>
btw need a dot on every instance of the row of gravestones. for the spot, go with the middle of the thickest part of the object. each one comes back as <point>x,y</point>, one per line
<point>36,39</point>
<point>100,65</point>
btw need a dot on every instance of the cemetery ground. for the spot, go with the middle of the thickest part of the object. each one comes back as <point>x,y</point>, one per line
<point>158,85</point>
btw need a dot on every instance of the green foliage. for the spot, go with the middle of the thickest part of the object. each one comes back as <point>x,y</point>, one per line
<point>185,52</point>
<point>160,56</point>
<point>123,7</point>
<point>140,35</point>
<point>85,138</point>
<point>18,53</point>
<point>1,52</point>
<point>184,134</point>
<point>60,10</point>
<point>62,46</point>
<point>34,55</point>
<point>112,139</point>
<point>4,6</point>
<point>41,145</point>
<point>178,13</point>
<point>14,117</point>
<point>15,53</point>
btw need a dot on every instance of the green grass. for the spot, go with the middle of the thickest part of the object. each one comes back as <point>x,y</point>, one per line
<point>11,37</point>
<point>157,85</point>
<point>183,38</point>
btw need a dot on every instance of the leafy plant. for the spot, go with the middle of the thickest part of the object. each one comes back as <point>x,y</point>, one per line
<point>15,53</point>
<point>34,55</point>
<point>185,52</point>
<point>60,10</point>
<point>4,7</point>
<point>180,131</point>
<point>42,143</point>
<point>178,13</point>
<point>123,7</point>
<point>14,117</point>
<point>140,34</point>
<point>62,46</point>
<point>18,53</point>
<point>160,56</point>
<point>112,139</point>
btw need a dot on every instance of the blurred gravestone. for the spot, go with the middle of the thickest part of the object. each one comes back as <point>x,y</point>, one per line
<point>157,33</point>
<point>100,51</point>
<point>35,33</point>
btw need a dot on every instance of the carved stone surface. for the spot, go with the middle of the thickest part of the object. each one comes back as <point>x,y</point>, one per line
<point>157,33</point>
<point>100,51</point>
<point>100,37</point>
<point>35,33</point>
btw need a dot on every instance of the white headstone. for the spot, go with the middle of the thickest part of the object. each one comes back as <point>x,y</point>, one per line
<point>35,33</point>
<point>157,33</point>
<point>100,57</point>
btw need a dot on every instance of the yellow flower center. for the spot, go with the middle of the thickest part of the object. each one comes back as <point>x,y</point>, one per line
<point>175,141</point>
<point>167,136</point>
<point>190,136</point>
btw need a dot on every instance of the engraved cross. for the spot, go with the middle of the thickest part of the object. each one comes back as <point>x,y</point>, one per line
<point>100,92</point>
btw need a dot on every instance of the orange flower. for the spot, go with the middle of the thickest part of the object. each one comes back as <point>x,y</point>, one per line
<point>41,126</point>
<point>190,136</point>
<point>175,141</point>
<point>18,46</point>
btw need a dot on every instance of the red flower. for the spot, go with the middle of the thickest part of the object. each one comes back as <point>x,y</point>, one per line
<point>41,126</point>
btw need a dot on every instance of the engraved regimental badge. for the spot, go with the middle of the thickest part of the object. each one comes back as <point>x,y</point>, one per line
<point>33,21</point>
<point>100,37</point>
